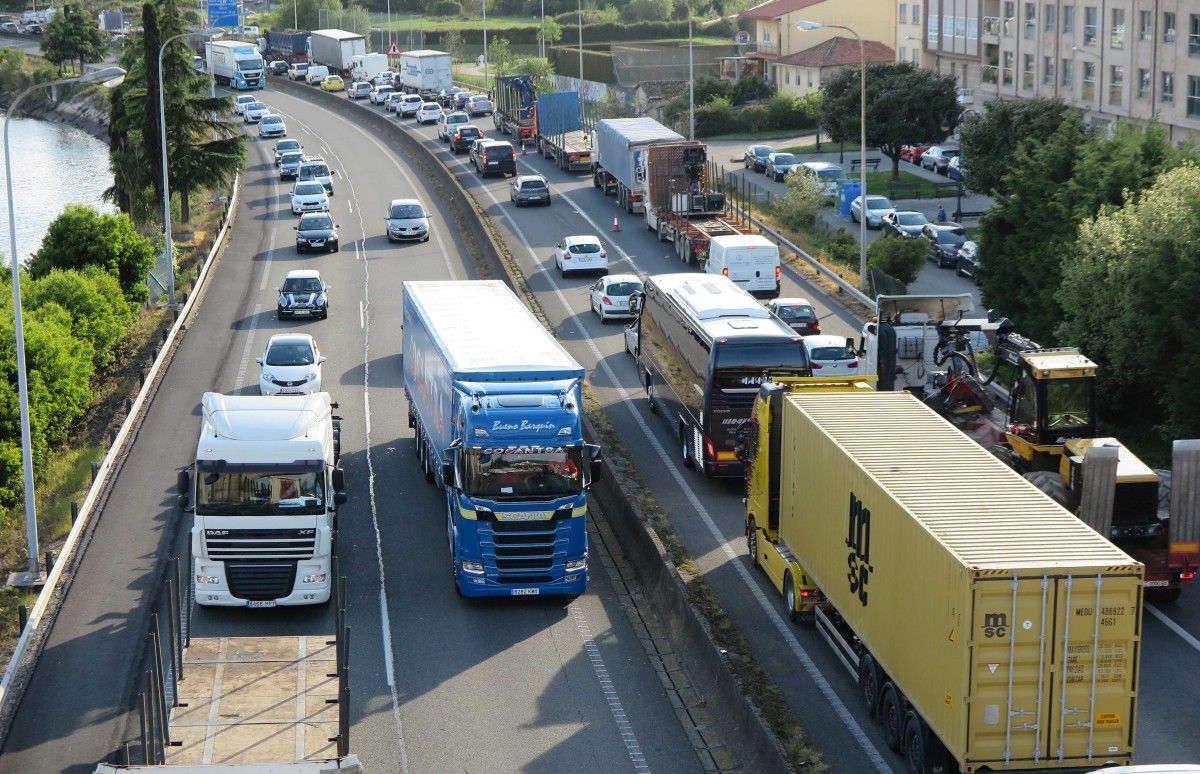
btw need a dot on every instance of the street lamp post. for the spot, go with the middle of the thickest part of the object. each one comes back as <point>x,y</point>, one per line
<point>106,76</point>
<point>580,54</point>
<point>862,148</point>
<point>485,56</point>
<point>691,80</point>
<point>542,42</point>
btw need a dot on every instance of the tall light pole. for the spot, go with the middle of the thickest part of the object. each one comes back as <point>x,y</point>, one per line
<point>168,246</point>
<point>691,80</point>
<point>862,147</point>
<point>542,47</point>
<point>485,56</point>
<point>580,54</point>
<point>107,76</point>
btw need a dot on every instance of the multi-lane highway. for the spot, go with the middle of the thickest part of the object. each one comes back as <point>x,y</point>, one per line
<point>439,683</point>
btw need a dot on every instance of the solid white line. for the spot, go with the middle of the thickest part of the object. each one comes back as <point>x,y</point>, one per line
<point>362,320</point>
<point>387,640</point>
<point>244,363</point>
<point>1183,633</point>
<point>632,748</point>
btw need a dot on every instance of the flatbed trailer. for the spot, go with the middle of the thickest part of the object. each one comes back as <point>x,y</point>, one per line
<point>691,238</point>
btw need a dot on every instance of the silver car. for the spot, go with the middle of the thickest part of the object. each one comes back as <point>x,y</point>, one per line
<point>254,111</point>
<point>529,189</point>
<point>407,220</point>
<point>289,164</point>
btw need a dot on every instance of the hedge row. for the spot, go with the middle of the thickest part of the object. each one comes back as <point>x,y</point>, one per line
<point>597,65</point>
<point>608,31</point>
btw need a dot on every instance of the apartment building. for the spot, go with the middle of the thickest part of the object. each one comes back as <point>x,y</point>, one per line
<point>910,29</point>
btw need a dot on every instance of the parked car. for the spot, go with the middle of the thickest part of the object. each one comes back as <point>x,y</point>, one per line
<point>831,356</point>
<point>904,223</point>
<point>464,135</point>
<point>379,94</point>
<point>253,112</point>
<point>271,125</point>
<point>409,105</point>
<point>241,101</point>
<point>428,113</point>
<point>332,83</point>
<point>10,27</point>
<point>912,153</point>
<point>780,164</point>
<point>278,67</point>
<point>944,240</point>
<point>407,220</point>
<point>755,157</point>
<point>492,157</point>
<point>308,196</point>
<point>303,292</point>
<point>827,175</point>
<point>289,164</point>
<point>316,231</point>
<point>580,253</point>
<point>359,90</point>
<point>610,296</point>
<point>317,169</point>
<point>297,71</point>
<point>529,189</point>
<point>969,263</point>
<point>797,313</point>
<point>449,122</point>
<point>937,158</point>
<point>284,146</point>
<point>290,365</point>
<point>954,168</point>
<point>877,207</point>
<point>480,105</point>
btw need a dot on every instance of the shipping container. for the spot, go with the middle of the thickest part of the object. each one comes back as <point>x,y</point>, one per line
<point>978,614</point>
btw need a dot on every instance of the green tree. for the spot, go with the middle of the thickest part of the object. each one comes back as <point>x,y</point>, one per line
<point>993,138</point>
<point>905,105</point>
<point>799,207</point>
<point>899,258</point>
<point>81,237</point>
<point>501,56</point>
<point>553,31</point>
<point>73,36</point>
<point>1127,294</point>
<point>715,117</point>
<point>751,87</point>
<point>647,10</point>
<point>454,45</point>
<point>100,313</point>
<point>540,70</point>
<point>707,88</point>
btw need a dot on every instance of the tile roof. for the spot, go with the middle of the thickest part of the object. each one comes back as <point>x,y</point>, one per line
<point>838,52</point>
<point>773,9</point>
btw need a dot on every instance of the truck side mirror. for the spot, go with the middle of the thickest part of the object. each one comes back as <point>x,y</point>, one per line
<point>183,482</point>
<point>339,480</point>
<point>339,498</point>
<point>635,303</point>
<point>596,458</point>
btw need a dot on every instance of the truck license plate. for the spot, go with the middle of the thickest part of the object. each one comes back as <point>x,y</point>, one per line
<point>526,592</point>
<point>1157,584</point>
<point>261,603</point>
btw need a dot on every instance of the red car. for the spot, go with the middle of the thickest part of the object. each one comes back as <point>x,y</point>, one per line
<point>912,153</point>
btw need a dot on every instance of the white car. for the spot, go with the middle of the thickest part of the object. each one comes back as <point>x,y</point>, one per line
<point>385,77</point>
<point>428,113</point>
<point>830,356</point>
<point>450,122</point>
<point>241,101</point>
<point>317,169</point>
<point>290,365</point>
<point>254,111</point>
<point>309,196</point>
<point>826,175</point>
<point>392,103</point>
<point>610,296</point>
<point>409,105</point>
<point>379,94</point>
<point>285,146</point>
<point>271,125</point>
<point>580,253</point>
<point>877,207</point>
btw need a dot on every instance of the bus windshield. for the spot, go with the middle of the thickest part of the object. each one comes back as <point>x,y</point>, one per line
<point>505,474</point>
<point>244,491</point>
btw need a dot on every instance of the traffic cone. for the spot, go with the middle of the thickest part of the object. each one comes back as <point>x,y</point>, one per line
<point>616,225</point>
<point>523,151</point>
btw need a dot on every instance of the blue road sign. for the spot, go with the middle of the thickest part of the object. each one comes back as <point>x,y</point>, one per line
<point>222,13</point>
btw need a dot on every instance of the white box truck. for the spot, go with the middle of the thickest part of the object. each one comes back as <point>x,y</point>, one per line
<point>263,493</point>
<point>335,49</point>
<point>236,64</point>
<point>425,72</point>
<point>750,260</point>
<point>364,67</point>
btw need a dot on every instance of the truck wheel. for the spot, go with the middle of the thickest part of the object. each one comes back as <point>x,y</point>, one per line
<point>789,596</point>
<point>453,557</point>
<point>1050,483</point>
<point>914,743</point>
<point>650,398</point>
<point>752,543</point>
<point>683,444</point>
<point>868,682</point>
<point>337,443</point>
<point>892,715</point>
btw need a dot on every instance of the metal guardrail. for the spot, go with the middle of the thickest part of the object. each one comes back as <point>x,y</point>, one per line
<point>28,646</point>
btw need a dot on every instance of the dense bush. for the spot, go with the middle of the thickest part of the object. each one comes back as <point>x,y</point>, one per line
<point>899,258</point>
<point>99,311</point>
<point>788,112</point>
<point>445,8</point>
<point>799,207</point>
<point>749,88</point>
<point>709,88</point>
<point>647,10</point>
<point>755,118</point>
<point>842,248</point>
<point>82,237</point>
<point>715,117</point>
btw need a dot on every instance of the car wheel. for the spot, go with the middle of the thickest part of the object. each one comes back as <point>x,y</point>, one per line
<point>337,248</point>
<point>426,239</point>
<point>278,315</point>
<point>299,249</point>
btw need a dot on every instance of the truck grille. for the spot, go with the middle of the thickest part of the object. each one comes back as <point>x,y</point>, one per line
<point>230,544</point>
<point>260,580</point>
<point>521,548</point>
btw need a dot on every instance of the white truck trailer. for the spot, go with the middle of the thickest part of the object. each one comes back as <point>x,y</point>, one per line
<point>263,493</point>
<point>364,67</point>
<point>335,49</point>
<point>236,64</point>
<point>425,72</point>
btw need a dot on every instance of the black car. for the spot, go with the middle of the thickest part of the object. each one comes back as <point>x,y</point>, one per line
<point>278,67</point>
<point>969,263</point>
<point>755,157</point>
<point>464,135</point>
<point>445,97</point>
<point>944,240</point>
<point>303,294</point>
<point>495,158</point>
<point>316,231</point>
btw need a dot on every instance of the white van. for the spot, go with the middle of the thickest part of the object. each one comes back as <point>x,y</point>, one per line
<point>316,74</point>
<point>750,260</point>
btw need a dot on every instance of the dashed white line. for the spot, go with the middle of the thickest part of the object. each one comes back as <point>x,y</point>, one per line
<point>350,204</point>
<point>600,670</point>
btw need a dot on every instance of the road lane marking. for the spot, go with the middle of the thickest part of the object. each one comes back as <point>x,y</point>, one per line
<point>600,670</point>
<point>362,320</point>
<point>350,204</point>
<point>1183,633</point>
<point>244,363</point>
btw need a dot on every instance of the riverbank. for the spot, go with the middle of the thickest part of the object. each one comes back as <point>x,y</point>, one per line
<point>86,110</point>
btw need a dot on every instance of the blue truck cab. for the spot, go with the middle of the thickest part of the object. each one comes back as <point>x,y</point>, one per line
<point>496,406</point>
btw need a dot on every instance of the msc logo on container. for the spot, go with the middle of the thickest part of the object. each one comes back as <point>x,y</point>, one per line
<point>995,625</point>
<point>858,540</point>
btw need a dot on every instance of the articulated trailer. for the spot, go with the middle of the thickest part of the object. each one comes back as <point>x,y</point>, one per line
<point>559,133</point>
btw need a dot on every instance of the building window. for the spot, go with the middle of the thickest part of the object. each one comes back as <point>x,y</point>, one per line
<point>1168,87</point>
<point>1009,12</point>
<point>916,14</point>
<point>1068,25</point>
<point>1030,21</point>
<point>1068,77</point>
<point>1116,31</point>
<point>1048,71</point>
<point>1143,83</point>
<point>1089,80</point>
<point>1116,84</point>
<point>1168,28</point>
<point>964,75</point>
<point>903,58</point>
<point>1144,21</point>
<point>1193,97</point>
<point>916,56</point>
<point>1048,17</point>
<point>1027,74</point>
<point>766,36</point>
<point>1006,71</point>
<point>787,77</point>
<point>1194,35</point>
<point>904,13</point>
<point>1091,25</point>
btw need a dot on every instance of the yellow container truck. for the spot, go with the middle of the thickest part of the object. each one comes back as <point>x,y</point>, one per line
<point>987,627</point>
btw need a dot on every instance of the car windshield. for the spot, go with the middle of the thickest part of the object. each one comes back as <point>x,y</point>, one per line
<point>315,170</point>
<point>503,473</point>
<point>531,184</point>
<point>309,222</point>
<point>832,353</point>
<point>308,189</point>
<point>294,157</point>
<point>468,131</point>
<point>238,490</point>
<point>284,145</point>
<point>785,158</point>
<point>831,174</point>
<point>406,211</point>
<point>623,288</point>
<point>249,64</point>
<point>246,100</point>
<point>256,106</point>
<point>272,119</point>
<point>456,119</point>
<point>301,285</point>
<point>796,312</point>
<point>585,248</point>
<point>762,150</point>
<point>289,353</point>
<point>911,219</point>
<point>952,236</point>
<point>384,89</point>
<point>878,203</point>
<point>429,106</point>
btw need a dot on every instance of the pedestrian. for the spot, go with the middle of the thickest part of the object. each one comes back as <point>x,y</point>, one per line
<point>941,214</point>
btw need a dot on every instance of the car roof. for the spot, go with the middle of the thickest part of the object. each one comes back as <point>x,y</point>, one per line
<point>247,98</point>
<point>396,202</point>
<point>783,153</point>
<point>581,239</point>
<point>824,340</point>
<point>615,278</point>
<point>523,178</point>
<point>794,301</point>
<point>458,113</point>
<point>309,183</point>
<point>431,105</point>
<point>303,274</point>
<point>286,139</point>
<point>291,338</point>
<point>819,165</point>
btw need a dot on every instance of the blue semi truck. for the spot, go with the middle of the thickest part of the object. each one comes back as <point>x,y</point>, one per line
<point>558,129</point>
<point>496,405</point>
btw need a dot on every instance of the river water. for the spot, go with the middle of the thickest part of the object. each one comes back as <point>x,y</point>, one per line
<point>53,166</point>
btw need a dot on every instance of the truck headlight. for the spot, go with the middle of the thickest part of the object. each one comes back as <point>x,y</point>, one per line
<point>207,580</point>
<point>474,568</point>
<point>577,565</point>
<point>315,578</point>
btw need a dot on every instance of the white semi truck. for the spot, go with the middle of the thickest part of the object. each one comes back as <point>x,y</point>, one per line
<point>236,64</point>
<point>263,493</point>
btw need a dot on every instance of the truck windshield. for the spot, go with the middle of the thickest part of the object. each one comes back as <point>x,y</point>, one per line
<point>522,472</point>
<point>1068,403</point>
<point>232,492</point>
<point>250,64</point>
